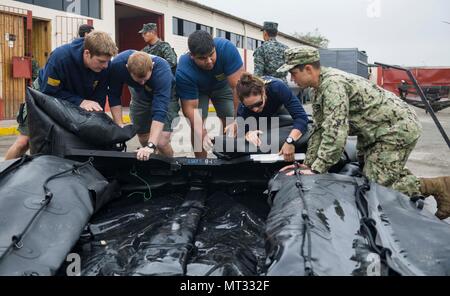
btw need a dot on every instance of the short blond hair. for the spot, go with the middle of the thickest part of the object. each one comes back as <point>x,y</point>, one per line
<point>140,63</point>
<point>100,44</point>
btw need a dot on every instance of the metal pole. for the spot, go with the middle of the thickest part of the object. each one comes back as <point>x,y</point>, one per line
<point>423,97</point>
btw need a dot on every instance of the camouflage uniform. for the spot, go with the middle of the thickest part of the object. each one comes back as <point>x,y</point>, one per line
<point>164,50</point>
<point>268,58</point>
<point>387,128</point>
<point>34,70</point>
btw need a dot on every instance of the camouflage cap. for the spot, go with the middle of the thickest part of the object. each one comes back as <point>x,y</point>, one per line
<point>148,27</point>
<point>270,26</point>
<point>299,56</point>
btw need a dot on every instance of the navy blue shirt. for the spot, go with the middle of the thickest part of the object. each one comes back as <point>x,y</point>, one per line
<point>279,94</point>
<point>192,80</point>
<point>158,88</point>
<point>67,78</point>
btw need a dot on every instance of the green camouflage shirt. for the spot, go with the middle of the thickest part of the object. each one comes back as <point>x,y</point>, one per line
<point>34,69</point>
<point>164,50</point>
<point>268,58</point>
<point>346,104</point>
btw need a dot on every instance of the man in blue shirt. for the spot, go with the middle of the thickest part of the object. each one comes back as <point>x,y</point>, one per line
<point>151,81</point>
<point>210,70</point>
<point>76,72</point>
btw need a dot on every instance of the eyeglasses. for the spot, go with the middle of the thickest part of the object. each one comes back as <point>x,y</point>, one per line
<point>255,105</point>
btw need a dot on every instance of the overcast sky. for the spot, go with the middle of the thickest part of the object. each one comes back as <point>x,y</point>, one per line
<point>403,32</point>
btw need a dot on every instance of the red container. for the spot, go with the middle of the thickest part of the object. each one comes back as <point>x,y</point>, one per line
<point>22,67</point>
<point>390,79</point>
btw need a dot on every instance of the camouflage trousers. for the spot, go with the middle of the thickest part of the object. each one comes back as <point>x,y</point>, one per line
<point>385,165</point>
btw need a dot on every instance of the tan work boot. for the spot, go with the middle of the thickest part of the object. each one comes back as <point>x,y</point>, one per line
<point>440,188</point>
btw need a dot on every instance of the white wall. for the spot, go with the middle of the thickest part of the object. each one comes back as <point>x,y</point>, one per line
<point>288,42</point>
<point>170,9</point>
<point>51,15</point>
<point>205,17</point>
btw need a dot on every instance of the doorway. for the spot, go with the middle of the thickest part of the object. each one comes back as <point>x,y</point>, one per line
<point>129,21</point>
<point>41,41</point>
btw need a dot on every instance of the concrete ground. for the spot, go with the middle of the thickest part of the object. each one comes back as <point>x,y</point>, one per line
<point>430,158</point>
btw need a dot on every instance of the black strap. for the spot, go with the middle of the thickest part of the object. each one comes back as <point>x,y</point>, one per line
<point>368,225</point>
<point>20,115</point>
<point>25,158</point>
<point>309,270</point>
<point>17,239</point>
<point>47,139</point>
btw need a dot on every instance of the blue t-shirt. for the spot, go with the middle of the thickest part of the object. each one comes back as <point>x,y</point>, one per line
<point>66,77</point>
<point>279,94</point>
<point>191,80</point>
<point>158,88</point>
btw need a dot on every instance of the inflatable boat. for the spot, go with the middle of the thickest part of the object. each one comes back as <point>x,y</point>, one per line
<point>81,198</point>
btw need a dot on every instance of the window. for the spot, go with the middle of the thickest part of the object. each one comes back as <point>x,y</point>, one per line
<point>89,8</point>
<point>253,44</point>
<point>236,39</point>
<point>49,4</point>
<point>185,28</point>
<point>223,34</point>
<point>94,9</point>
<point>205,28</point>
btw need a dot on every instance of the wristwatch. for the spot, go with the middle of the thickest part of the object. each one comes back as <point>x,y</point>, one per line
<point>290,140</point>
<point>151,145</point>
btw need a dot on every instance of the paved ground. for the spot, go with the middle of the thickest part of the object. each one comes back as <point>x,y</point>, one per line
<point>430,158</point>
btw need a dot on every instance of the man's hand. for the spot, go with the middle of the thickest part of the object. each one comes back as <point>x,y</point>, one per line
<point>231,130</point>
<point>301,168</point>
<point>253,137</point>
<point>306,172</point>
<point>91,106</point>
<point>288,151</point>
<point>143,154</point>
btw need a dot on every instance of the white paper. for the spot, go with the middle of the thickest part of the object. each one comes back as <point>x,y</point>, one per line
<point>270,158</point>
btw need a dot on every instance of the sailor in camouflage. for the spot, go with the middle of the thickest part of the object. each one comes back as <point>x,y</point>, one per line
<point>157,47</point>
<point>270,56</point>
<point>162,49</point>
<point>386,127</point>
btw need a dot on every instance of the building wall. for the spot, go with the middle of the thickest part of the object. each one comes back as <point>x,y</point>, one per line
<point>288,42</point>
<point>64,24</point>
<point>188,12</point>
<point>12,90</point>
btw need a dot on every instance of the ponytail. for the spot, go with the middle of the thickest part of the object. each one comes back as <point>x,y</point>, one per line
<point>249,85</point>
